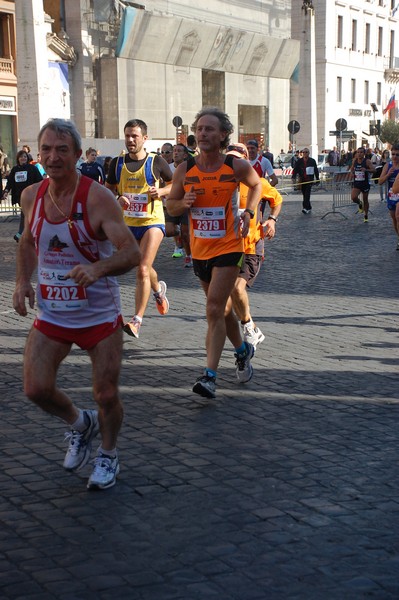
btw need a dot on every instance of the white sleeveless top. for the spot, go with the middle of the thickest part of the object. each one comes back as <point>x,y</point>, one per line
<point>59,247</point>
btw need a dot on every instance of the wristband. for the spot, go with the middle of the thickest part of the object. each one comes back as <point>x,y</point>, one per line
<point>272,217</point>
<point>250,212</point>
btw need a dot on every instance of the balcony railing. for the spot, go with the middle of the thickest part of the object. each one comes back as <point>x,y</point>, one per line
<point>391,71</point>
<point>7,65</point>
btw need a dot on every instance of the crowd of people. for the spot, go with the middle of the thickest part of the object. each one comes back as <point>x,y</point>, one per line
<point>216,197</point>
<point>122,223</point>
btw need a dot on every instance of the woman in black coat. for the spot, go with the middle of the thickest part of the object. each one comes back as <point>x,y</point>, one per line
<point>306,170</point>
<point>20,177</point>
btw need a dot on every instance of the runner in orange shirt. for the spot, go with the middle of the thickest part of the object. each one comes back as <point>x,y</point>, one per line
<point>207,185</point>
<point>261,228</point>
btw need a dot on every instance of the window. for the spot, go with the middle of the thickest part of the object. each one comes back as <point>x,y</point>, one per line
<point>391,49</point>
<point>340,31</point>
<point>366,92</point>
<point>353,90</point>
<point>380,41</point>
<point>379,87</point>
<point>5,41</point>
<point>213,88</point>
<point>354,34</point>
<point>367,39</point>
<point>339,89</point>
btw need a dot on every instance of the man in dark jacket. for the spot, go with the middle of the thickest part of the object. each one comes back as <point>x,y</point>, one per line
<point>306,171</point>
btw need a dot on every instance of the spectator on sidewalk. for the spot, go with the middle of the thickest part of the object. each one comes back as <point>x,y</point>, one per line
<point>21,176</point>
<point>92,168</point>
<point>306,172</point>
<point>333,157</point>
<point>26,149</point>
<point>269,155</point>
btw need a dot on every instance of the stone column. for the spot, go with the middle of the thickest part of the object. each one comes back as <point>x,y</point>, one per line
<point>32,71</point>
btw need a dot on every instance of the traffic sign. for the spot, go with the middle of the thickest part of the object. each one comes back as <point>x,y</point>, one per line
<point>341,124</point>
<point>346,134</point>
<point>177,121</point>
<point>293,127</point>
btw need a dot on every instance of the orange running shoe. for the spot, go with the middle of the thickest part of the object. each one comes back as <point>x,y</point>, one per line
<point>133,327</point>
<point>161,300</point>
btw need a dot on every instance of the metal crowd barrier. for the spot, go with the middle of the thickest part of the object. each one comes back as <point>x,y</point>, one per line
<point>7,210</point>
<point>285,183</point>
<point>341,190</point>
<point>325,183</point>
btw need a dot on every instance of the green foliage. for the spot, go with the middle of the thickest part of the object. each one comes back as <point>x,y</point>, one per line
<point>390,132</point>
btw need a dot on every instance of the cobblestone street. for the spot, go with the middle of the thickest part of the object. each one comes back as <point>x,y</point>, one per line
<point>285,488</point>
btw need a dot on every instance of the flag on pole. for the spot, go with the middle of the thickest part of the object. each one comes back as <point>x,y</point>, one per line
<point>390,105</point>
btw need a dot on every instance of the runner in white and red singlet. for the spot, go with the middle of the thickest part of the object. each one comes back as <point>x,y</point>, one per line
<point>75,236</point>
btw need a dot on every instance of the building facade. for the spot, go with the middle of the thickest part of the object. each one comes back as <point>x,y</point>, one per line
<point>356,59</point>
<point>166,59</point>
<point>8,80</point>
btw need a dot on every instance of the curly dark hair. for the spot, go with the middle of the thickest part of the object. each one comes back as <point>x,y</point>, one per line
<point>225,123</point>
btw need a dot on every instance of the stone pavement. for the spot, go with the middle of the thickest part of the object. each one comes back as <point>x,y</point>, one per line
<point>285,488</point>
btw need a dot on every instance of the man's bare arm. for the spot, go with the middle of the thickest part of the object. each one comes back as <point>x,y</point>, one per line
<point>247,175</point>
<point>107,221</point>
<point>26,257</point>
<point>178,200</point>
<point>395,187</point>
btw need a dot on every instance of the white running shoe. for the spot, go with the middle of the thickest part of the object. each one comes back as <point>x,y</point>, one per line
<point>104,473</point>
<point>252,334</point>
<point>79,448</point>
<point>244,370</point>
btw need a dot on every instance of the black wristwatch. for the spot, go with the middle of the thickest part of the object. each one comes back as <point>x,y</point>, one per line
<point>272,217</point>
<point>250,212</point>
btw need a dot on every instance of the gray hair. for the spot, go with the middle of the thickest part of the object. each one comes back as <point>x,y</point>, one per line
<point>225,123</point>
<point>63,127</point>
